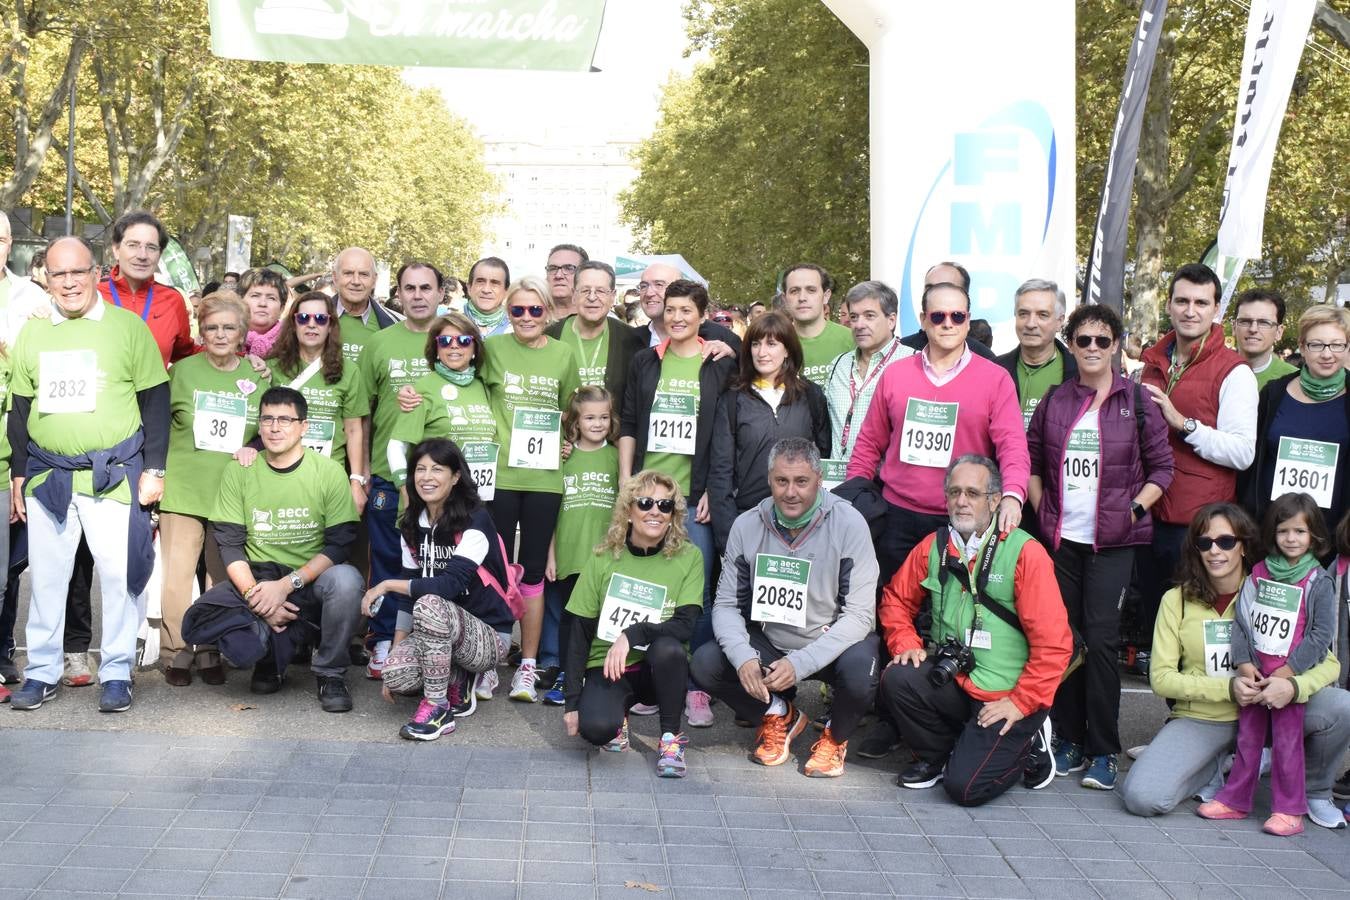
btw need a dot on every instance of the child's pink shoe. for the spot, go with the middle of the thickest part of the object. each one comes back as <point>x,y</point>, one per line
<point>1283,825</point>
<point>1216,810</point>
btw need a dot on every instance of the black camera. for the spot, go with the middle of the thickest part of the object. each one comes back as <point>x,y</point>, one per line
<point>950,658</point>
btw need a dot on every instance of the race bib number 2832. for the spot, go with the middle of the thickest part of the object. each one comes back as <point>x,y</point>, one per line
<point>67,381</point>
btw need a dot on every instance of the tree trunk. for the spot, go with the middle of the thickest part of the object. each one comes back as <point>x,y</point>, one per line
<point>1333,23</point>
<point>31,141</point>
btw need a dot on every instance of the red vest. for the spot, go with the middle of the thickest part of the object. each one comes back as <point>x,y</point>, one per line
<point>1195,481</point>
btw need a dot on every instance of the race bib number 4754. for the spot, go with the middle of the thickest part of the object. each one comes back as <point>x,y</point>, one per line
<point>627,602</point>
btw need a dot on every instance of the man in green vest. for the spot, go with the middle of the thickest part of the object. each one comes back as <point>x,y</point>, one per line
<point>974,705</point>
<point>1040,361</point>
<point>1258,325</point>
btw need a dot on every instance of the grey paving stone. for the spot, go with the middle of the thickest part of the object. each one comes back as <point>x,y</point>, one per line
<point>706,876</point>
<point>691,835</point>
<point>573,815</point>
<point>154,818</point>
<point>371,825</point>
<point>465,848</point>
<point>420,867</point>
<point>511,831</point>
<point>1111,869</point>
<point>1185,891</point>
<point>423,827</point>
<point>69,878</point>
<point>1130,890</point>
<point>192,860</point>
<point>1315,877</point>
<point>426,809</point>
<point>479,890</point>
<point>475,870</point>
<point>849,860</point>
<point>273,862</point>
<point>992,886</point>
<point>969,846</point>
<point>124,836</point>
<point>615,875</point>
<point>161,881</point>
<point>326,864</point>
<point>762,837</point>
<point>1223,856</point>
<point>558,872</point>
<point>831,840</point>
<point>323,888</point>
<point>754,858</point>
<point>40,833</point>
<point>910,863</point>
<point>885,825</point>
<point>1028,847</point>
<point>556,892</point>
<point>109,857</point>
<point>558,850</point>
<point>626,833</point>
<point>491,812</point>
<point>1059,889</point>
<point>1092,850</point>
<point>47,854</point>
<point>405,845</point>
<point>350,844</point>
<point>1033,867</point>
<point>24,876</point>
<point>200,838</point>
<point>74,815</point>
<point>925,886</point>
<point>678,854</point>
<point>409,888</point>
<point>275,841</point>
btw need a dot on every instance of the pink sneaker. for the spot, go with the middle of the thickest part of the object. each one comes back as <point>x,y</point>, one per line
<point>698,709</point>
<point>643,709</point>
<point>1282,825</point>
<point>1216,810</point>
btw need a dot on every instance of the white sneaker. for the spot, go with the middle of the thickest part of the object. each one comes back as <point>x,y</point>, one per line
<point>522,684</point>
<point>379,654</point>
<point>1325,813</point>
<point>77,670</point>
<point>487,683</point>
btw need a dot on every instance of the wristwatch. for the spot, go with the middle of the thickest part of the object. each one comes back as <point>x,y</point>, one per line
<point>158,473</point>
<point>297,583</point>
<point>1137,509</point>
<point>1189,425</point>
<point>363,480</point>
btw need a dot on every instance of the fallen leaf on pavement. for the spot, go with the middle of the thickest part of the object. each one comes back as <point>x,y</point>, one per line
<point>240,707</point>
<point>643,885</point>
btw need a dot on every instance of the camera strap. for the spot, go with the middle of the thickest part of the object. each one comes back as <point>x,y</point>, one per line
<point>950,564</point>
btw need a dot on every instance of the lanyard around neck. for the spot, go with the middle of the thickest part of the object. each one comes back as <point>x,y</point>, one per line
<point>149,296</point>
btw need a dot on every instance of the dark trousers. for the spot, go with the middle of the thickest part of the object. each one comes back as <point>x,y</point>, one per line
<point>939,724</point>
<point>853,676</point>
<point>902,533</point>
<point>1154,576</point>
<point>386,550</point>
<point>659,678</point>
<point>1093,584</point>
<point>537,515</point>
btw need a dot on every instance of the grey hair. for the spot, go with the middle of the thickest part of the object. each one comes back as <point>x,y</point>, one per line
<point>4,224</point>
<point>975,459</point>
<point>1042,284</point>
<point>874,290</point>
<point>793,449</point>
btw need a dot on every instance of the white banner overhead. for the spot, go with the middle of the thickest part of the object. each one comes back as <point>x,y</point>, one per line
<point>1276,31</point>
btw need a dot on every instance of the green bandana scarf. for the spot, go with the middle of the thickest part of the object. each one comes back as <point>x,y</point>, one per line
<point>1286,572</point>
<point>485,321</point>
<point>1321,389</point>
<point>802,520</point>
<point>456,378</point>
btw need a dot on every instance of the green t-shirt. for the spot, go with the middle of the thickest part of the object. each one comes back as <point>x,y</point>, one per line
<point>517,376</point>
<point>463,414</point>
<point>590,484</point>
<point>4,419</point>
<point>679,375</point>
<point>83,375</point>
<point>1032,383</point>
<point>392,358</point>
<point>285,513</point>
<point>820,352</point>
<point>592,355</point>
<point>681,577</point>
<point>1277,368</point>
<point>355,333</point>
<point>211,414</point>
<point>329,405</point>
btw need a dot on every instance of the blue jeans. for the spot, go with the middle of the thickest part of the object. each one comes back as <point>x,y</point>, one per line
<point>702,538</point>
<point>386,551</point>
<point>551,646</point>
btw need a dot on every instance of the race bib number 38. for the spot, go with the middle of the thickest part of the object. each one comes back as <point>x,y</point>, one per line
<point>928,433</point>
<point>67,381</point>
<point>627,602</point>
<point>779,592</point>
<point>1305,466</point>
<point>1219,648</point>
<point>481,459</point>
<point>218,421</point>
<point>1274,616</point>
<point>535,439</point>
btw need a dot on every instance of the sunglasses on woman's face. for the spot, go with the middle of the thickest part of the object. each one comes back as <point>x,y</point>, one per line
<point>445,340</point>
<point>1225,542</point>
<point>939,318</point>
<point>722,320</point>
<point>536,312</point>
<point>304,318</point>
<point>666,505</point>
<point>1085,341</point>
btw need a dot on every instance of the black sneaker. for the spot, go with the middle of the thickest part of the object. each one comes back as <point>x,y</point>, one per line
<point>333,694</point>
<point>265,678</point>
<point>922,774</point>
<point>1341,789</point>
<point>461,698</point>
<point>881,741</point>
<point>549,674</point>
<point>1039,769</point>
<point>9,672</point>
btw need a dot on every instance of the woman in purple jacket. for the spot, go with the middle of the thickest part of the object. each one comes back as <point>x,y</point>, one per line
<point>1099,460</point>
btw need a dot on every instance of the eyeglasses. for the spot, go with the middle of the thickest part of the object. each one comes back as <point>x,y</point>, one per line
<point>70,274</point>
<point>659,285</point>
<point>319,318</point>
<point>283,421</point>
<point>137,247</point>
<point>665,505</point>
<point>1225,542</point>
<point>939,318</point>
<point>1255,324</point>
<point>722,320</point>
<point>445,340</point>
<point>1085,341</point>
<point>968,493</point>
<point>593,293</point>
<point>568,268</point>
<point>1320,346</point>
<point>536,312</point>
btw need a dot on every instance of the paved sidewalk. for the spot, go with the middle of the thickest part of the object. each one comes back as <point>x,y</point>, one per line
<point>134,813</point>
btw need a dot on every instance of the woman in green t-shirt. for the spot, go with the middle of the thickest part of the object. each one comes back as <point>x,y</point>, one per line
<point>634,609</point>
<point>213,407</point>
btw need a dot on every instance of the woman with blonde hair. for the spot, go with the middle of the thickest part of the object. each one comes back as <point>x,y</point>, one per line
<point>634,609</point>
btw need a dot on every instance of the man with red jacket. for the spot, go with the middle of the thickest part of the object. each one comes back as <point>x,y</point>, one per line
<point>138,239</point>
<point>1207,394</point>
<point>975,709</point>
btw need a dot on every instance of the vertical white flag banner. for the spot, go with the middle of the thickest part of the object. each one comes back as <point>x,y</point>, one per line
<point>1276,31</point>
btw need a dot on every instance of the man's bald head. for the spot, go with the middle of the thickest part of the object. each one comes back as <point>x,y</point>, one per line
<point>652,289</point>
<point>354,277</point>
<point>948,273</point>
<point>70,276</point>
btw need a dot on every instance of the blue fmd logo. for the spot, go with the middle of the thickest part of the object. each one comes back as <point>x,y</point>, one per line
<point>989,209</point>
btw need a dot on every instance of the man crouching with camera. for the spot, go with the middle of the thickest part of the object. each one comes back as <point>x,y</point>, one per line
<point>974,708</point>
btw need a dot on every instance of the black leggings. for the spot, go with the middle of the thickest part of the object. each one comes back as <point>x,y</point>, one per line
<point>660,677</point>
<point>537,514</point>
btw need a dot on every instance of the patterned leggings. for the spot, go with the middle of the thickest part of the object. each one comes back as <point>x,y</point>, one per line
<point>444,637</point>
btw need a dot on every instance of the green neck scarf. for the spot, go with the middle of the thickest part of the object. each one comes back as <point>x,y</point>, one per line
<point>485,321</point>
<point>1321,389</point>
<point>456,378</point>
<point>1287,572</point>
<point>801,521</point>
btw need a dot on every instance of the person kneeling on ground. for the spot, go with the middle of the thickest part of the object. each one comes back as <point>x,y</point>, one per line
<point>460,624</point>
<point>285,526</point>
<point>975,708</point>
<point>801,565</point>
<point>635,606</point>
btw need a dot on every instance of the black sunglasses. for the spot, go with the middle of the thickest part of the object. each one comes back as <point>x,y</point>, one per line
<point>1225,542</point>
<point>445,340</point>
<point>319,318</point>
<point>666,506</point>
<point>938,318</point>
<point>722,320</point>
<point>536,312</point>
<point>1085,341</point>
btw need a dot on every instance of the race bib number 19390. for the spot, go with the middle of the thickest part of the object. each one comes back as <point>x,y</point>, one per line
<point>928,433</point>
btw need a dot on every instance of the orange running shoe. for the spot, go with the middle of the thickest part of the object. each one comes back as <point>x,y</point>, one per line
<point>774,739</point>
<point>827,757</point>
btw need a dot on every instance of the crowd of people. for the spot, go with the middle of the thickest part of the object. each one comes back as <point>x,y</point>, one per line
<point>716,506</point>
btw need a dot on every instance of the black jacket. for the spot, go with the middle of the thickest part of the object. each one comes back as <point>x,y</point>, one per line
<point>709,331</point>
<point>624,344</point>
<point>738,468</point>
<point>1009,362</point>
<point>635,419</point>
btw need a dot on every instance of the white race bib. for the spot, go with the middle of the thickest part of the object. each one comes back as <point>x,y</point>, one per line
<point>674,424</point>
<point>318,436</point>
<point>628,601</point>
<point>1219,648</point>
<point>1305,466</point>
<point>218,421</point>
<point>779,591</point>
<point>1274,616</point>
<point>833,472</point>
<point>536,441</point>
<point>1082,461</point>
<point>481,459</point>
<point>67,381</point>
<point>928,433</point>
